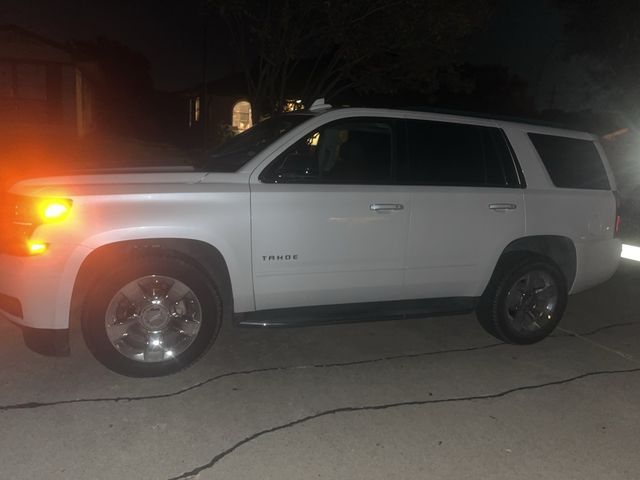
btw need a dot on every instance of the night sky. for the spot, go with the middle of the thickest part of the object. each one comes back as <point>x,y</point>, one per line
<point>525,36</point>
<point>529,38</point>
<point>168,33</point>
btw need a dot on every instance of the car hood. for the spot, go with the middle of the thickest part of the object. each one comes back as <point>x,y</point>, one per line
<point>143,180</point>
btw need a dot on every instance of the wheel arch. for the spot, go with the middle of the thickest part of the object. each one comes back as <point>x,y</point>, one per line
<point>559,249</point>
<point>203,256</point>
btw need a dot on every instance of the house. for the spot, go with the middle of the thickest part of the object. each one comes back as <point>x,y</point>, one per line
<point>220,110</point>
<point>46,104</point>
<point>43,91</point>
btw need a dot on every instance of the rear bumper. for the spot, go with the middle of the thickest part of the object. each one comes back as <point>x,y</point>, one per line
<point>596,263</point>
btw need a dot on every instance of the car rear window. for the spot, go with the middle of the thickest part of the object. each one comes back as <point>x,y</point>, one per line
<point>571,162</point>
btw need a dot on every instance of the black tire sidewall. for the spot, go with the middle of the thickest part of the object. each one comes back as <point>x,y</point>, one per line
<point>93,318</point>
<point>501,322</point>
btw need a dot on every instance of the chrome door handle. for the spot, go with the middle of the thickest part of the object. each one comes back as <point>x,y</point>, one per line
<point>385,207</point>
<point>502,206</point>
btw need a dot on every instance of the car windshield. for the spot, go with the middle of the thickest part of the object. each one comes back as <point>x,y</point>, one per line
<point>237,151</point>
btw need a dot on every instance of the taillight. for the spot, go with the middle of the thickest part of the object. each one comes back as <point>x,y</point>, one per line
<point>618,219</point>
<point>21,215</point>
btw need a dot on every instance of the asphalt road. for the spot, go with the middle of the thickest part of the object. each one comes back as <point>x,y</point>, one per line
<point>435,398</point>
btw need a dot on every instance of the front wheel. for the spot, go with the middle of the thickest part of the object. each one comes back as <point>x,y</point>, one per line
<point>154,316</point>
<point>524,301</point>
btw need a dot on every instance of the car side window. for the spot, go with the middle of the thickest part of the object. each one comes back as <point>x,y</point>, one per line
<point>349,151</point>
<point>440,153</point>
<point>571,162</point>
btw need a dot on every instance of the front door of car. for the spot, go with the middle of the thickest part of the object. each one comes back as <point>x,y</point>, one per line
<point>328,226</point>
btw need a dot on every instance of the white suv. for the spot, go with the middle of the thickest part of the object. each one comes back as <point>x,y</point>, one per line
<point>313,217</point>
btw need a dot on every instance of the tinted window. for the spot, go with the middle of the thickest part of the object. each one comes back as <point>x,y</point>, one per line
<point>571,162</point>
<point>440,153</point>
<point>355,151</point>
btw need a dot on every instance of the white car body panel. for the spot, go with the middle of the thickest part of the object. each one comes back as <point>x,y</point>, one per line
<point>104,213</point>
<point>444,243</point>
<point>344,252</point>
<point>587,217</point>
<point>453,247</point>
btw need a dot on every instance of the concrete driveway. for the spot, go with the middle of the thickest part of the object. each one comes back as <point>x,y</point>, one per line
<point>435,398</point>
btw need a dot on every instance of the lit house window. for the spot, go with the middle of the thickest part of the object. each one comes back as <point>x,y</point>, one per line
<point>292,105</point>
<point>194,111</point>
<point>241,118</point>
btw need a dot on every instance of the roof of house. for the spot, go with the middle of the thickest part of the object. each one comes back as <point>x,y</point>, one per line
<point>17,43</point>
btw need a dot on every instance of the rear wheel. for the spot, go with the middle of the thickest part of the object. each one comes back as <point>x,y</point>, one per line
<point>524,301</point>
<point>152,317</point>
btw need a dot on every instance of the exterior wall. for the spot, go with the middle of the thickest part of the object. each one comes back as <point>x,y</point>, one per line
<point>45,105</point>
<point>215,116</point>
<point>220,109</point>
<point>41,91</point>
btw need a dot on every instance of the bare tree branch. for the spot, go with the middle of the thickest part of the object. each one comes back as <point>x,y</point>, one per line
<point>326,47</point>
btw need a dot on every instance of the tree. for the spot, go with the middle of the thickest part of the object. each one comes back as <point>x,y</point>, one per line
<point>607,34</point>
<point>493,89</point>
<point>320,48</point>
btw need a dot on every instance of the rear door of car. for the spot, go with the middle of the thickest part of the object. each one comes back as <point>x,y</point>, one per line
<point>467,205</point>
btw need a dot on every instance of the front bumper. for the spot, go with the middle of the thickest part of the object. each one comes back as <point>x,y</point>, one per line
<point>29,290</point>
<point>11,305</point>
<point>35,294</point>
<point>36,291</point>
<point>53,343</point>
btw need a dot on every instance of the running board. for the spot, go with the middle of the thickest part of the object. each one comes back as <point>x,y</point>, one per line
<point>356,312</point>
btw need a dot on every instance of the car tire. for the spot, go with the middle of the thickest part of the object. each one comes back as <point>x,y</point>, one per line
<point>524,300</point>
<point>154,316</point>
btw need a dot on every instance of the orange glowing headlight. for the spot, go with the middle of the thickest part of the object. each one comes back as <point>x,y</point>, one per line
<point>54,209</point>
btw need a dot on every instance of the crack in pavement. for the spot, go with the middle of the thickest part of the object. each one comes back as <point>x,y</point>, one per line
<point>34,405</point>
<point>386,406</point>
<point>568,333</point>
<point>601,346</point>
<point>29,405</point>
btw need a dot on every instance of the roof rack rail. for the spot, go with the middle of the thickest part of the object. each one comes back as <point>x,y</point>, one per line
<point>318,105</point>
<point>491,116</point>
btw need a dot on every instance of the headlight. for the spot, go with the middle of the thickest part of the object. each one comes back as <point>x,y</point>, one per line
<point>54,210</point>
<point>21,215</point>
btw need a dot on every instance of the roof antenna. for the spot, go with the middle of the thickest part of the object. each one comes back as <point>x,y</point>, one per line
<point>319,105</point>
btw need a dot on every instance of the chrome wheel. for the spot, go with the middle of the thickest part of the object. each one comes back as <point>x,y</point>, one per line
<point>153,319</point>
<point>531,301</point>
